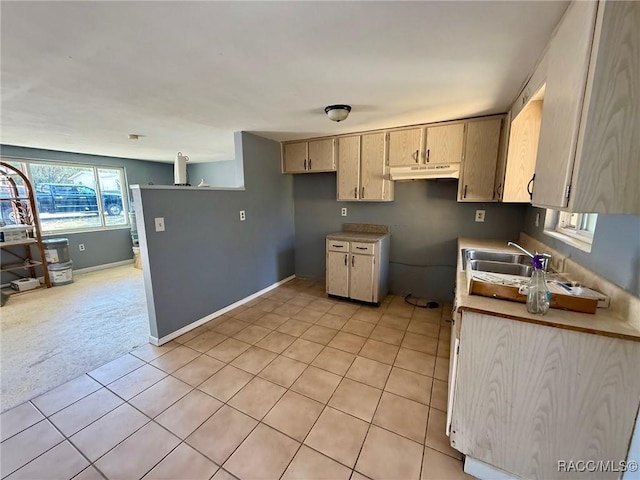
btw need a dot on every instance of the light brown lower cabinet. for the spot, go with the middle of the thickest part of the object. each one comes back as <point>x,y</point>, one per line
<point>357,269</point>
<point>526,396</point>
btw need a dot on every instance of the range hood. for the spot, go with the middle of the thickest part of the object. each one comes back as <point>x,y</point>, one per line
<point>425,172</point>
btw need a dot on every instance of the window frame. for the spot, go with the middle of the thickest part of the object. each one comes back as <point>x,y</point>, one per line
<point>101,211</point>
<point>558,225</point>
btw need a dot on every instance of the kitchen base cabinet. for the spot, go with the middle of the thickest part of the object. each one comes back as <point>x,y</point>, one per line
<point>357,266</point>
<point>528,396</point>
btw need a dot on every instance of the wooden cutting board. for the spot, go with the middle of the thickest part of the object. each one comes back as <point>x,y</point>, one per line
<point>505,287</point>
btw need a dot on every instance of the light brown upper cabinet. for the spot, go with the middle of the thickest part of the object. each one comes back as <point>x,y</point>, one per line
<point>482,144</point>
<point>444,143</point>
<point>348,167</point>
<point>437,144</point>
<point>405,147</point>
<point>521,155</point>
<point>587,158</point>
<point>309,157</point>
<point>362,169</point>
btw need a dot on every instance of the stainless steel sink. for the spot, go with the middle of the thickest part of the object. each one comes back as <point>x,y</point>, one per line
<point>505,257</point>
<point>501,267</point>
<point>497,262</point>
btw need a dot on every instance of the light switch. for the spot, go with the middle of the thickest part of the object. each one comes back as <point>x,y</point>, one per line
<point>159,224</point>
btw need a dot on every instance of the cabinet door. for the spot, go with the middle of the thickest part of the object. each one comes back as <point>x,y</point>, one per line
<point>606,175</point>
<point>361,278</point>
<point>404,147</point>
<point>321,156</point>
<point>372,164</point>
<point>338,274</point>
<point>564,93</point>
<point>348,167</point>
<point>445,143</point>
<point>480,159</point>
<point>295,157</point>
<point>522,152</point>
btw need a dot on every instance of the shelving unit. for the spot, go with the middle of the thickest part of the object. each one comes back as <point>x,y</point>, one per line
<point>18,255</point>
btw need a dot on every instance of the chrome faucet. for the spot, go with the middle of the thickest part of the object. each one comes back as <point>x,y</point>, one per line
<point>545,261</point>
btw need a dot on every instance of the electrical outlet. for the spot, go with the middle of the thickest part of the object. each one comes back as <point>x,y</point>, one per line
<point>159,224</point>
<point>81,247</point>
<point>344,211</point>
<point>479,215</point>
<point>243,216</point>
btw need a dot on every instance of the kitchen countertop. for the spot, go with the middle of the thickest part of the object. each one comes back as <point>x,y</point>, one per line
<point>357,236</point>
<point>604,322</point>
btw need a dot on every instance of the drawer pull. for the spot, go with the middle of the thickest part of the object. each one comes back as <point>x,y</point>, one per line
<point>362,248</point>
<point>337,246</point>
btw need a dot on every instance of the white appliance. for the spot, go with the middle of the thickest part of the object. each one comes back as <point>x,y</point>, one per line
<point>425,172</point>
<point>25,284</point>
<point>180,170</point>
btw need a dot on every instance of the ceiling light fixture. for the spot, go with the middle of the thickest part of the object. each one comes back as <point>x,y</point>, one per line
<point>337,113</point>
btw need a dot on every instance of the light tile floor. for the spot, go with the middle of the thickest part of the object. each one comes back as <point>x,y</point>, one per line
<point>291,385</point>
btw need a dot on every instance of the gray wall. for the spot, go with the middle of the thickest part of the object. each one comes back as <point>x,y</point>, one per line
<point>615,251</point>
<point>216,174</point>
<point>106,246</point>
<point>425,222</point>
<point>207,259</point>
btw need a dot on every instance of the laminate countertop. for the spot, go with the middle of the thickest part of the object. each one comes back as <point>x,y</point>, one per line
<point>357,236</point>
<point>603,322</point>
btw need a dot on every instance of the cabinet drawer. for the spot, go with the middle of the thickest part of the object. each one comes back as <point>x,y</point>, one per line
<point>362,248</point>
<point>337,245</point>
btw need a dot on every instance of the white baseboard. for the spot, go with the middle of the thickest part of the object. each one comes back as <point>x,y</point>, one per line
<point>85,270</point>
<point>103,266</point>
<point>484,471</point>
<point>167,338</point>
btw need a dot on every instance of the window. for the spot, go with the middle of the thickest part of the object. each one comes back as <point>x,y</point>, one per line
<point>579,224</point>
<point>576,229</point>
<point>71,197</point>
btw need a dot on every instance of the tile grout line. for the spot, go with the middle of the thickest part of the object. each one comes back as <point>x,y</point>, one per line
<point>65,438</point>
<point>324,346</point>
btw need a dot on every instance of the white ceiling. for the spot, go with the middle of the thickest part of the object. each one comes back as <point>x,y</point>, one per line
<point>80,76</point>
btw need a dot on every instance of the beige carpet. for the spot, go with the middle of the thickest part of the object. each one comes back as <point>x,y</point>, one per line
<point>51,336</point>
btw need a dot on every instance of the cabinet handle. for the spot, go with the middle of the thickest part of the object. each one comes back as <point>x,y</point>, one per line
<point>353,260</point>
<point>362,193</point>
<point>361,248</point>
<point>499,190</point>
<point>305,163</point>
<point>416,156</point>
<point>530,187</point>
<point>464,194</point>
<point>309,164</point>
<point>345,259</point>
<point>355,192</point>
<point>428,152</point>
<point>338,246</point>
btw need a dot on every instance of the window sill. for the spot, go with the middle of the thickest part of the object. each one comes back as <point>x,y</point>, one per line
<point>569,240</point>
